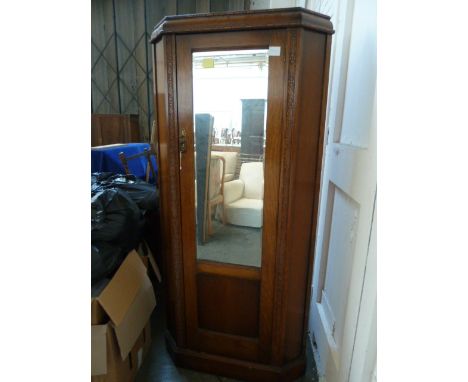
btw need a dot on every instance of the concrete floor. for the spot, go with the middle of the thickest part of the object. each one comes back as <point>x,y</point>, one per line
<point>233,244</point>
<point>158,366</point>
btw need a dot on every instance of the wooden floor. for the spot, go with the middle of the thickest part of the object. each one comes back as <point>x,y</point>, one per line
<point>158,365</point>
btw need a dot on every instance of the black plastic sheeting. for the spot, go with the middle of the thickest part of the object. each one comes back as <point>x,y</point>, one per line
<point>105,260</point>
<point>118,206</point>
<point>145,195</point>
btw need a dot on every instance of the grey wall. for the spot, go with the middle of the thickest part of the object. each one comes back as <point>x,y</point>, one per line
<point>121,66</point>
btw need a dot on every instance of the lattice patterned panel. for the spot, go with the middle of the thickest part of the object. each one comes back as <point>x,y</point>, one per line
<point>121,66</point>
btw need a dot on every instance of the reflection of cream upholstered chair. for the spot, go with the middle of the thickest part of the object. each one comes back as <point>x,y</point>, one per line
<point>230,159</point>
<point>243,197</point>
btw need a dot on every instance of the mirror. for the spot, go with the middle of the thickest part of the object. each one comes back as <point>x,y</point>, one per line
<point>229,102</point>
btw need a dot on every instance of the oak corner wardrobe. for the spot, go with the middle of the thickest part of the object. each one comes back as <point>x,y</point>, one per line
<point>240,100</point>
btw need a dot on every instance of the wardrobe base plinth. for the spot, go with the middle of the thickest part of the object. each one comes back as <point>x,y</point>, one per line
<point>234,368</point>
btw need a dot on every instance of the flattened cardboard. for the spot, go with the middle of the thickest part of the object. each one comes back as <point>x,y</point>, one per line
<point>118,369</point>
<point>136,318</point>
<point>141,348</point>
<point>98,349</point>
<point>146,255</point>
<point>119,294</point>
<point>129,299</point>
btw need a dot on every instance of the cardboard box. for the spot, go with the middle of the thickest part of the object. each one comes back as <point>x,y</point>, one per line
<point>120,328</point>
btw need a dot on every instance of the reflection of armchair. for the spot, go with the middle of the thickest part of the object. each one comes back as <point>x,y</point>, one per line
<point>230,159</point>
<point>243,197</point>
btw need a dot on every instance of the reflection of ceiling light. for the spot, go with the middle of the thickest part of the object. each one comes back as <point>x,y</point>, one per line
<point>210,60</point>
<point>208,63</point>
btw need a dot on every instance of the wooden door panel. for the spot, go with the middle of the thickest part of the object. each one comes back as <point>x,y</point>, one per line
<point>361,85</point>
<point>223,306</point>
<point>338,259</point>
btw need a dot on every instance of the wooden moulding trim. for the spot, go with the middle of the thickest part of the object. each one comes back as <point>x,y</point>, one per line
<point>281,274</point>
<point>230,270</point>
<point>208,332</point>
<point>234,368</point>
<point>243,20</point>
<point>318,181</point>
<point>176,249</point>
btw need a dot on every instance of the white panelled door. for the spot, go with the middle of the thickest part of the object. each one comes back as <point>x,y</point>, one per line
<point>343,305</point>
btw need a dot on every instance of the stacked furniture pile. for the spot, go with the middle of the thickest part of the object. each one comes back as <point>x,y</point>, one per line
<point>122,294</point>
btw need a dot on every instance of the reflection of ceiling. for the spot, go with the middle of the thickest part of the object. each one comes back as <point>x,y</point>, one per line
<point>225,59</point>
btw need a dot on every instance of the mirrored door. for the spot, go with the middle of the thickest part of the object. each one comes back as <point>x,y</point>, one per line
<point>230,91</point>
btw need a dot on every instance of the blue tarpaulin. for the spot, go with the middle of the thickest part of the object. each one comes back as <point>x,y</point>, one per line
<point>106,159</point>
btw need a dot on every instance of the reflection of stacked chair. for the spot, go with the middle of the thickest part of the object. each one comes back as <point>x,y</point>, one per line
<point>231,159</point>
<point>215,188</point>
<point>243,197</point>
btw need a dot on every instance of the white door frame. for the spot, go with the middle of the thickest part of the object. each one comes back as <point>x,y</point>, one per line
<point>348,353</point>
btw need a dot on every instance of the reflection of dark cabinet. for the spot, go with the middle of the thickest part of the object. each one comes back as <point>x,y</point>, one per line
<point>107,129</point>
<point>253,121</point>
<point>242,321</point>
<point>203,130</point>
